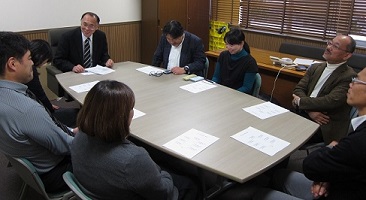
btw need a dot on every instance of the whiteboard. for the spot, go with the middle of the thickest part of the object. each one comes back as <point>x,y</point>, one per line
<point>28,15</point>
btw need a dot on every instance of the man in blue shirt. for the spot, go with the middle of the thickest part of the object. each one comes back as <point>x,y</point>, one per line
<point>27,130</point>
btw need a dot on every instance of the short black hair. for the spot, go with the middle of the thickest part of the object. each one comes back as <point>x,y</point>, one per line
<point>40,51</point>
<point>12,45</point>
<point>173,28</point>
<point>91,14</point>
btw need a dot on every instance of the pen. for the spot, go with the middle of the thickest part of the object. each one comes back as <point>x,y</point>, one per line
<point>210,81</point>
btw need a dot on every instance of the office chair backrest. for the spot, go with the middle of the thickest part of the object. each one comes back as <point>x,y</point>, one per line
<point>302,50</point>
<point>257,85</point>
<point>54,36</point>
<point>75,186</point>
<point>28,173</point>
<point>357,62</point>
<point>207,65</point>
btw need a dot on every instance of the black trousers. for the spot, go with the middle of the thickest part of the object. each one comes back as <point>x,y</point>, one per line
<point>53,180</point>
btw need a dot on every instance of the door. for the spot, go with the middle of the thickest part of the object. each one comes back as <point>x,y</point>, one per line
<point>198,21</point>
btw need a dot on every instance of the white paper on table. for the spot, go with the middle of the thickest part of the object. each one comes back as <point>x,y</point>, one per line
<point>85,73</point>
<point>83,87</point>
<point>191,143</point>
<point>265,110</point>
<point>261,141</point>
<point>199,86</point>
<point>303,61</point>
<point>100,70</point>
<point>137,114</point>
<point>149,69</point>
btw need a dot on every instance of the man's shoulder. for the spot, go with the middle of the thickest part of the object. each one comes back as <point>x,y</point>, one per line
<point>191,36</point>
<point>14,103</point>
<point>350,70</point>
<point>99,33</point>
<point>317,65</point>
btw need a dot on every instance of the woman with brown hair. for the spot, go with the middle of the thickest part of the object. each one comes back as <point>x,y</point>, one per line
<point>105,162</point>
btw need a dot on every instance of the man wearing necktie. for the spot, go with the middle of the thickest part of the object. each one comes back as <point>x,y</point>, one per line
<point>27,130</point>
<point>83,47</point>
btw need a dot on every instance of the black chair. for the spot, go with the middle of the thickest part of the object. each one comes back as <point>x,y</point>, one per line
<point>357,61</point>
<point>302,50</point>
<point>54,36</point>
<point>207,65</point>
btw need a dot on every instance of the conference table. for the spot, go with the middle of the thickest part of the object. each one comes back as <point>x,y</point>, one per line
<point>280,88</point>
<point>171,111</point>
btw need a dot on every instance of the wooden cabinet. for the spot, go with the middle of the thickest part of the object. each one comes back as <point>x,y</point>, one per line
<point>192,14</point>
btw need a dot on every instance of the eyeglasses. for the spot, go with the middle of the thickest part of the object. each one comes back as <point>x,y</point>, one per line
<point>336,46</point>
<point>89,26</point>
<point>356,80</point>
<point>156,73</point>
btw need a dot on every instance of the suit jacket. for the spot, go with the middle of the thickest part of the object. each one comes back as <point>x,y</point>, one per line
<point>192,54</point>
<point>331,98</point>
<point>70,50</point>
<point>343,166</point>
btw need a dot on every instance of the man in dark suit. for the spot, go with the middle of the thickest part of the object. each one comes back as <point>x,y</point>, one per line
<point>337,171</point>
<point>180,51</point>
<point>71,51</point>
<point>321,93</point>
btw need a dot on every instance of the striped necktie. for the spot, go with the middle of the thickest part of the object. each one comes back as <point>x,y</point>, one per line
<point>54,119</point>
<point>87,54</point>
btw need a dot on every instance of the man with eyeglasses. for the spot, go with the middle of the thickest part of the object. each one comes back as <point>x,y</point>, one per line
<point>321,93</point>
<point>180,51</point>
<point>337,171</point>
<point>83,47</point>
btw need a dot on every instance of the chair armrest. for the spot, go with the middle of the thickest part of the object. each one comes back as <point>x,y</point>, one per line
<point>52,70</point>
<point>52,82</point>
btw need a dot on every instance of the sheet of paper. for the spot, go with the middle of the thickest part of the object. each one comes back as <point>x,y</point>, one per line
<point>137,114</point>
<point>87,73</point>
<point>191,143</point>
<point>302,61</point>
<point>83,87</point>
<point>261,141</point>
<point>99,70</point>
<point>199,86</point>
<point>265,110</point>
<point>149,69</point>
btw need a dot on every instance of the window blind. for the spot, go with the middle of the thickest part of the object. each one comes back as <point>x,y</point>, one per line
<point>225,10</point>
<point>317,19</point>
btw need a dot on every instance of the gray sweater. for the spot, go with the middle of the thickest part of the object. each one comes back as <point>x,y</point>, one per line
<point>119,170</point>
